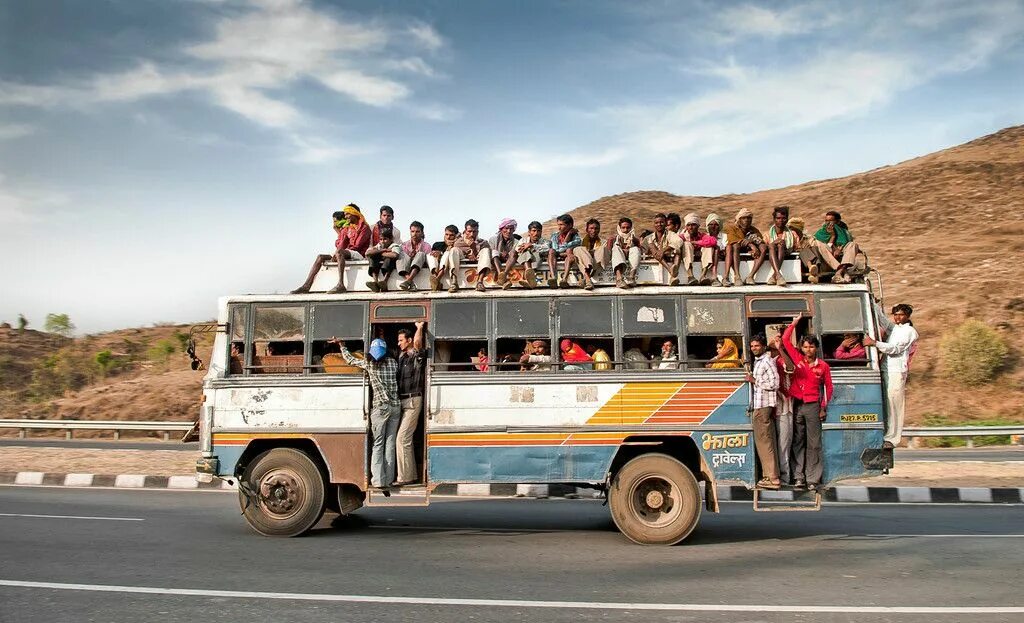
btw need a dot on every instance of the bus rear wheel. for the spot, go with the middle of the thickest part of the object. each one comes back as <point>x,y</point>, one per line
<point>655,500</point>
<point>285,494</point>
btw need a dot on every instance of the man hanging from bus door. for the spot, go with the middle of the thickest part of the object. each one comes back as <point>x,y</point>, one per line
<point>764,385</point>
<point>411,365</point>
<point>811,389</point>
<point>384,413</point>
<point>898,348</point>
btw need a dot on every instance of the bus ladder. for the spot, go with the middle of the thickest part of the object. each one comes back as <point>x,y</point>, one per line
<point>769,505</point>
<point>414,495</point>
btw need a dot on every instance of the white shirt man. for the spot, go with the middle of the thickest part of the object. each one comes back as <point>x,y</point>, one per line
<point>898,348</point>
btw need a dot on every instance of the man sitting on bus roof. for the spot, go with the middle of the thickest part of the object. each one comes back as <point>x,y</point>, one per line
<point>528,255</point>
<point>674,223</point>
<point>563,241</point>
<point>472,248</point>
<point>664,247</point>
<point>781,242</point>
<point>835,247</point>
<point>382,257</point>
<point>592,252</point>
<point>415,252</point>
<point>352,242</point>
<point>625,252</point>
<point>743,236</point>
<point>714,228</point>
<point>503,246</point>
<point>693,240</point>
<point>438,260</point>
<point>536,357</point>
<point>385,418</point>
<point>387,221</point>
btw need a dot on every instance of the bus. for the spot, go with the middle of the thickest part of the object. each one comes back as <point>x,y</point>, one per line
<point>286,418</point>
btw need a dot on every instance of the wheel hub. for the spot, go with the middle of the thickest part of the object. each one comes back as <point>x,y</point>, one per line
<point>280,492</point>
<point>654,499</point>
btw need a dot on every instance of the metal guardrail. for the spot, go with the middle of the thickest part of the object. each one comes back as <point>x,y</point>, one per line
<point>69,426</point>
<point>24,425</point>
<point>1016,433</point>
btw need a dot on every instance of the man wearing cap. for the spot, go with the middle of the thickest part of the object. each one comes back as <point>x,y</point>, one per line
<point>694,239</point>
<point>382,371</point>
<point>472,248</point>
<point>536,357</point>
<point>503,245</point>
<point>352,242</point>
<point>664,246</point>
<point>743,236</point>
<point>898,347</point>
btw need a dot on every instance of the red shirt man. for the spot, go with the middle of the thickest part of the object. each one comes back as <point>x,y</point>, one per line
<point>812,380</point>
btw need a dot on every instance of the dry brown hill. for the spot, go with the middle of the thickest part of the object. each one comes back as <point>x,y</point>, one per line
<point>945,230</point>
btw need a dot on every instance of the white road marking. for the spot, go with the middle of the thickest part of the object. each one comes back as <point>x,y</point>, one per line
<point>71,517</point>
<point>517,603</point>
<point>949,536</point>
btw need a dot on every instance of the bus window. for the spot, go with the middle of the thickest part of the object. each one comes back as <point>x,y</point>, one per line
<point>278,339</point>
<point>460,332</point>
<point>842,329</point>
<point>649,328</point>
<point>519,322</point>
<point>461,356</point>
<point>345,321</point>
<point>714,334</point>
<point>586,322</point>
<point>236,350</point>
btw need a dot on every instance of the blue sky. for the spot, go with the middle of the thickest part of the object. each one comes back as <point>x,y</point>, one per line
<point>155,155</point>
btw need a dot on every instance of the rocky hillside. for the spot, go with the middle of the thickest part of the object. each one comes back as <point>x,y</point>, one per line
<point>945,230</point>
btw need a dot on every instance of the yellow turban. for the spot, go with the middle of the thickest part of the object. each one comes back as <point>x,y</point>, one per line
<point>744,212</point>
<point>353,210</point>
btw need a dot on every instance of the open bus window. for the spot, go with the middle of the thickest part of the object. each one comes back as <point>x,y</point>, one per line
<point>458,355</point>
<point>236,349</point>
<point>585,321</point>
<point>660,352</point>
<point>508,351</point>
<point>585,353</point>
<point>326,357</point>
<point>345,321</point>
<point>844,350</point>
<point>277,339</point>
<point>714,352</point>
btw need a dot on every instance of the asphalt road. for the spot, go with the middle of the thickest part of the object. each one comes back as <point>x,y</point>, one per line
<point>188,556</point>
<point>994,453</point>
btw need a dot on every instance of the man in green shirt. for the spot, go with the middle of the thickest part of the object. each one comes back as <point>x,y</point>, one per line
<point>834,246</point>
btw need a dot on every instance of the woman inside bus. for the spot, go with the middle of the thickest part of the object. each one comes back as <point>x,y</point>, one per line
<point>574,356</point>
<point>727,355</point>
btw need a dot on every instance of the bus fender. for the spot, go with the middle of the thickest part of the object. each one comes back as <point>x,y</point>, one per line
<point>710,487</point>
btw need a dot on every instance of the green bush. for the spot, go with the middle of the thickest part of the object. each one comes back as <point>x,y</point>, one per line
<point>973,353</point>
<point>161,351</point>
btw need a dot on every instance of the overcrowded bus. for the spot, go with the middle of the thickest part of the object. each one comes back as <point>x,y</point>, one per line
<point>287,418</point>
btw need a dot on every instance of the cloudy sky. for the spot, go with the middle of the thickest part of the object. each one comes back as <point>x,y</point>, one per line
<point>155,155</point>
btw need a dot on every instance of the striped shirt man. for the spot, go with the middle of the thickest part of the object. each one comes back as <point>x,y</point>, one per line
<point>766,381</point>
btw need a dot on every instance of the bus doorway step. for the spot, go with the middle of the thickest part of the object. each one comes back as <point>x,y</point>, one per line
<point>786,500</point>
<point>414,495</point>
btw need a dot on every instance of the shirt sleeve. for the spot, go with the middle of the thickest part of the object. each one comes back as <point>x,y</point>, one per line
<point>787,343</point>
<point>899,342</point>
<point>826,395</point>
<point>352,361</point>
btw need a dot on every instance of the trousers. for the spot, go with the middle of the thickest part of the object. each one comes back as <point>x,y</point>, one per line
<point>411,408</point>
<point>384,420</point>
<point>764,440</point>
<point>784,427</point>
<point>807,459</point>
<point>896,397</point>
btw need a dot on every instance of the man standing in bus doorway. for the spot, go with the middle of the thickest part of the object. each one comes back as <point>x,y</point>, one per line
<point>411,364</point>
<point>764,385</point>
<point>384,415</point>
<point>898,349</point>
<point>811,389</point>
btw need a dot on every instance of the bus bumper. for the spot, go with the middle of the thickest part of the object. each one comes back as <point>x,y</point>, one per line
<point>206,469</point>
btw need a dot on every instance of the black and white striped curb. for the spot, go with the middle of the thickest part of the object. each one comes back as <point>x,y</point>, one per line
<point>726,493</point>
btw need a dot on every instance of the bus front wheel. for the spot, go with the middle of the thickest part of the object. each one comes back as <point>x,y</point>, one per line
<point>655,500</point>
<point>284,493</point>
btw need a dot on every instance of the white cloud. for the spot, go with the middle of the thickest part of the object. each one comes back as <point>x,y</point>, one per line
<point>754,20</point>
<point>23,206</point>
<point>535,162</point>
<point>433,111</point>
<point>15,130</point>
<point>255,56</point>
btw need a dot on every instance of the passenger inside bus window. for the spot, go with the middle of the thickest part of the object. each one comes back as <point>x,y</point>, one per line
<point>236,358</point>
<point>598,351</point>
<point>668,359</point>
<point>277,357</point>
<point>481,361</point>
<point>536,357</point>
<point>574,356</point>
<point>652,349</point>
<point>713,352</point>
<point>727,354</point>
<point>846,350</point>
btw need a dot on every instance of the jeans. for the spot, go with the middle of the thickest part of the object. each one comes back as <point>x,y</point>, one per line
<point>784,424</point>
<point>384,420</point>
<point>411,409</point>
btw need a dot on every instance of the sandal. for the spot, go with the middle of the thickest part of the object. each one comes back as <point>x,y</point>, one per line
<point>764,483</point>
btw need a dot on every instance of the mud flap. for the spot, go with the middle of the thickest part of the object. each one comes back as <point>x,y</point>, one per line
<point>877,458</point>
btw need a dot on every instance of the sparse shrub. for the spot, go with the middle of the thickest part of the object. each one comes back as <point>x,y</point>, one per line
<point>973,353</point>
<point>22,323</point>
<point>161,351</point>
<point>60,324</point>
<point>104,361</point>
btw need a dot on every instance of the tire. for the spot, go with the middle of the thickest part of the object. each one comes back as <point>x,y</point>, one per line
<point>289,493</point>
<point>655,500</point>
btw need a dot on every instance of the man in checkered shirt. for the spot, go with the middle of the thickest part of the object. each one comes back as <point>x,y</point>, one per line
<point>385,416</point>
<point>764,384</point>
